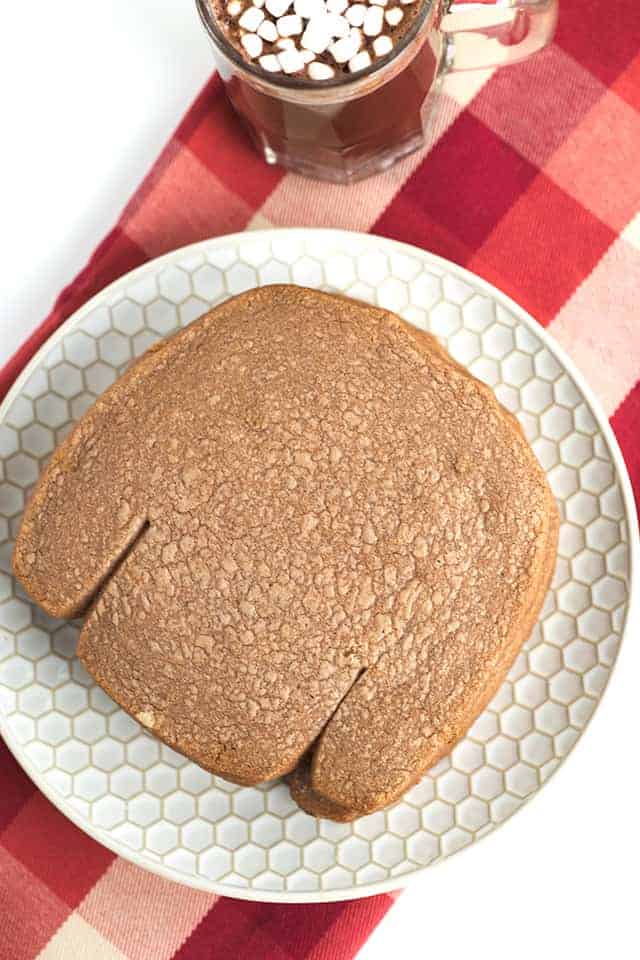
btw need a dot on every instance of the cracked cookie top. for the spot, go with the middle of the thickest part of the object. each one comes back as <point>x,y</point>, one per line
<point>297,517</point>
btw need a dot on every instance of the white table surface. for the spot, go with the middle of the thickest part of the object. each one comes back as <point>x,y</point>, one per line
<point>91,90</point>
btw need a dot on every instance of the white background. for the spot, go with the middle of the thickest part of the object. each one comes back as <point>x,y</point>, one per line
<point>91,90</point>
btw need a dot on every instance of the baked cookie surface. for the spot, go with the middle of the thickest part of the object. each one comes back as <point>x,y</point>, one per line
<point>307,543</point>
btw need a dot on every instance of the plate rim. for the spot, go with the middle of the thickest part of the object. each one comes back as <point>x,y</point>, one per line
<point>541,332</point>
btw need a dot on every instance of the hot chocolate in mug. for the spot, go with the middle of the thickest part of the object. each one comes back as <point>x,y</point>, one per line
<point>353,125</point>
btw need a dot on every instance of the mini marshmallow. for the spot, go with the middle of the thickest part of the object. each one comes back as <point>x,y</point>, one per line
<point>379,3</point>
<point>251,19</point>
<point>407,2</point>
<point>394,16</point>
<point>267,30</point>
<point>278,8</point>
<point>320,71</point>
<point>307,55</point>
<point>258,3</point>
<point>382,46</point>
<point>317,36</point>
<point>309,8</point>
<point>270,63</point>
<point>234,9</point>
<point>338,25</point>
<point>347,47</point>
<point>355,14</point>
<point>337,6</point>
<point>291,61</point>
<point>373,21</point>
<point>252,44</point>
<point>361,61</point>
<point>289,26</point>
<point>285,44</point>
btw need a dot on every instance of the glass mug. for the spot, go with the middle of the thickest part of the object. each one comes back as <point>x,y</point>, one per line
<point>345,129</point>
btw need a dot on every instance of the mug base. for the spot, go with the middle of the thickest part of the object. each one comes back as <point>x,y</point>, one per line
<point>343,169</point>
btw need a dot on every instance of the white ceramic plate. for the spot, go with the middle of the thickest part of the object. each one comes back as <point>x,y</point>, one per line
<point>147,803</point>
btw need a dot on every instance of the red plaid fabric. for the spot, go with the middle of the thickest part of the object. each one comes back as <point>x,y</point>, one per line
<point>530,178</point>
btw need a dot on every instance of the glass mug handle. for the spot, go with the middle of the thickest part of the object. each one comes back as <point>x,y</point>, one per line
<point>494,33</point>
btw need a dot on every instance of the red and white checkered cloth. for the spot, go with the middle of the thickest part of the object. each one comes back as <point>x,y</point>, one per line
<point>531,178</point>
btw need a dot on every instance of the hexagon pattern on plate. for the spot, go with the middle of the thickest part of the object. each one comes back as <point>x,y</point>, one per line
<point>161,810</point>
